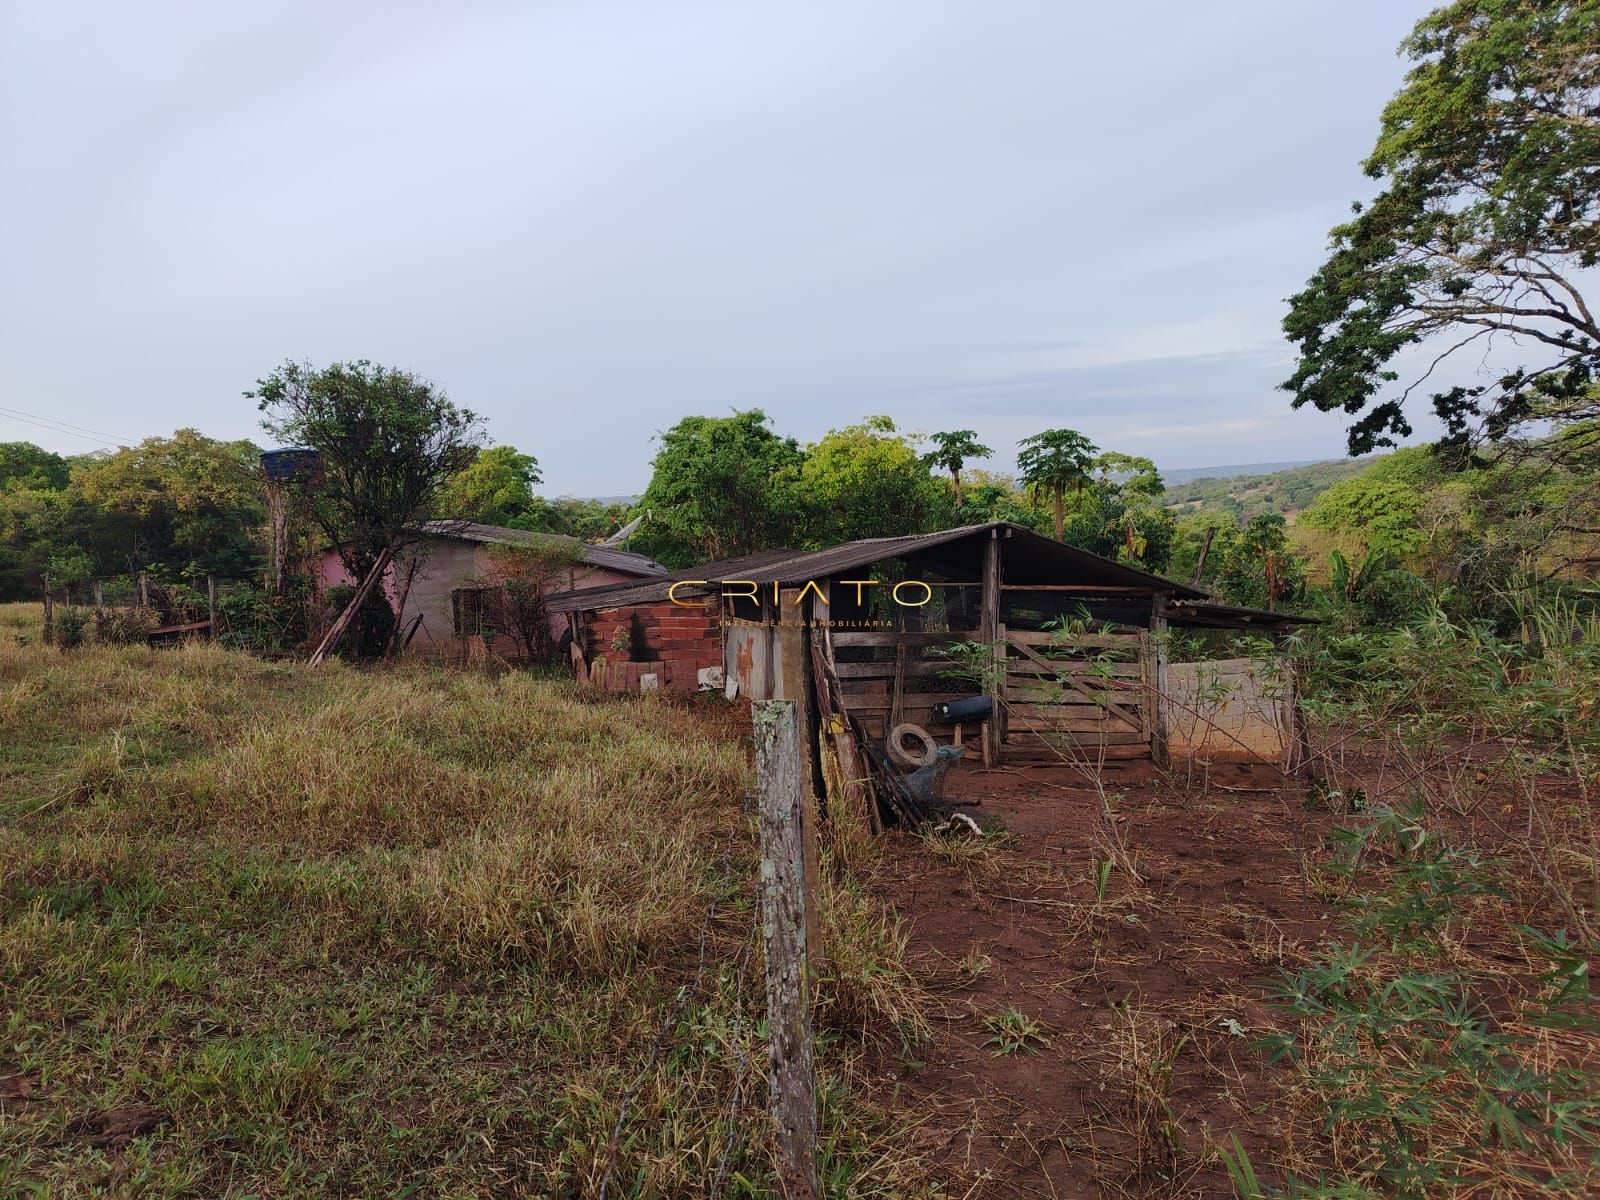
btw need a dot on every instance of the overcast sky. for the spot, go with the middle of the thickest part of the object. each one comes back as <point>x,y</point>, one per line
<point>586,219</point>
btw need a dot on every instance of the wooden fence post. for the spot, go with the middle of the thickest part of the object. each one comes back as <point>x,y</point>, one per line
<point>99,596</point>
<point>49,617</point>
<point>780,776</point>
<point>989,633</point>
<point>211,603</point>
<point>144,590</point>
<point>1160,749</point>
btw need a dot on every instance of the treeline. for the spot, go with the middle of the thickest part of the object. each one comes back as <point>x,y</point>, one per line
<point>1377,540</point>
<point>183,507</point>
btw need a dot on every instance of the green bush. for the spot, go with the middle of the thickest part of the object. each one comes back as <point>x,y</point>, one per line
<point>71,626</point>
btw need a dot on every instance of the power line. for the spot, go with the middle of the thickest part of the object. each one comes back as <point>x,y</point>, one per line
<point>66,427</point>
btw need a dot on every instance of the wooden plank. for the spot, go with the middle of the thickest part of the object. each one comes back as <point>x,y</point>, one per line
<point>1050,691</point>
<point>1116,639</point>
<point>897,691</point>
<point>793,1084</point>
<point>1087,714</point>
<point>1033,723</point>
<point>842,637</point>
<point>989,633</point>
<point>331,642</point>
<point>1084,690</point>
<point>877,689</point>
<point>1075,667</point>
<point>1159,746</point>
<point>886,670</point>
<point>794,658</point>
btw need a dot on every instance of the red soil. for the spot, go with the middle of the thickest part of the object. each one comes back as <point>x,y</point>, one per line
<point>1142,1071</point>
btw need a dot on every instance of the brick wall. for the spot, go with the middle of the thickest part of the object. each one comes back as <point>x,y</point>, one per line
<point>671,641</point>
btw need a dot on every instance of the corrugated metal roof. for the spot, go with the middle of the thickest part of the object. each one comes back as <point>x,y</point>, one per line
<point>1201,614</point>
<point>620,595</point>
<point>1029,556</point>
<point>607,557</point>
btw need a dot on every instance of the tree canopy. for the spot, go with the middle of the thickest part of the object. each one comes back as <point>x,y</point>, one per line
<point>712,491</point>
<point>950,452</point>
<point>389,443</point>
<point>865,480</point>
<point>1489,158</point>
<point>495,488</point>
<point>1052,463</point>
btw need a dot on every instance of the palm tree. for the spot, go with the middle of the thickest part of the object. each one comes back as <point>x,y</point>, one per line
<point>1053,461</point>
<point>953,450</point>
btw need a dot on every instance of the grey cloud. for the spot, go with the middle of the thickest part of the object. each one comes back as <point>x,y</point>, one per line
<point>587,219</point>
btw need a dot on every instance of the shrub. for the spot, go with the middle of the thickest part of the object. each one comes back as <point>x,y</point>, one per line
<point>71,625</point>
<point>123,626</point>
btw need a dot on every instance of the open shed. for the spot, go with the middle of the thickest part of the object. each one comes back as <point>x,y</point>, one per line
<point>1069,647</point>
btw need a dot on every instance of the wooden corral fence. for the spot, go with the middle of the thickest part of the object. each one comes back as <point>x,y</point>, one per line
<point>1091,692</point>
<point>903,678</point>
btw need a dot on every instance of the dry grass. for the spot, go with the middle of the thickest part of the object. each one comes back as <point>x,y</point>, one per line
<point>268,931</point>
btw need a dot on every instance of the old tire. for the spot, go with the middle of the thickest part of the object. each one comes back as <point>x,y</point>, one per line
<point>895,744</point>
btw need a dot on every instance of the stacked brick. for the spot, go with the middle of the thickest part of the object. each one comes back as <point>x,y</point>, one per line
<point>673,642</point>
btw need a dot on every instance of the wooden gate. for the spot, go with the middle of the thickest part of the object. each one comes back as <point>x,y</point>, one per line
<point>1085,696</point>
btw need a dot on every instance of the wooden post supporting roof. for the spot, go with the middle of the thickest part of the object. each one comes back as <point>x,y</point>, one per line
<point>1157,675</point>
<point>989,635</point>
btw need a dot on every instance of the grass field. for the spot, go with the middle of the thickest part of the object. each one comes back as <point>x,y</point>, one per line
<point>266,931</point>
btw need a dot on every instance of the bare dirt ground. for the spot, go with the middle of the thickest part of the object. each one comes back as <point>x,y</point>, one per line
<point>1147,995</point>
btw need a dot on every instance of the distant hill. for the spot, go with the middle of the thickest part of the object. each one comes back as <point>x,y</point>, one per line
<point>1243,492</point>
<point>1177,475</point>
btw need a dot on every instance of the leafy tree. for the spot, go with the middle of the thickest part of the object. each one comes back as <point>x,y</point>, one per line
<point>187,503</point>
<point>586,520</point>
<point>951,452</point>
<point>1200,544</point>
<point>1382,513</point>
<point>994,496</point>
<point>1261,569</point>
<point>1130,474</point>
<point>1490,212</point>
<point>1055,462</point>
<point>519,579</point>
<point>389,442</point>
<point>866,480</point>
<point>720,487</point>
<point>496,488</point>
<point>24,465</point>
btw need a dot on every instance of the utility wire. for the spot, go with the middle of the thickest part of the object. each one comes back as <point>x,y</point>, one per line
<point>66,427</point>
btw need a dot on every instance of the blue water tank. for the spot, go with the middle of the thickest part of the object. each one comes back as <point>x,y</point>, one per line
<point>292,464</point>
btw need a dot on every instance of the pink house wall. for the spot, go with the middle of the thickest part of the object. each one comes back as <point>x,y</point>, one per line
<point>448,564</point>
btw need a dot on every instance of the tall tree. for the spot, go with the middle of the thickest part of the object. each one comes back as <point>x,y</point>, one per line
<point>719,488</point>
<point>22,464</point>
<point>866,480</point>
<point>1489,215</point>
<point>951,452</point>
<point>389,441</point>
<point>185,502</point>
<point>1053,463</point>
<point>496,488</point>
